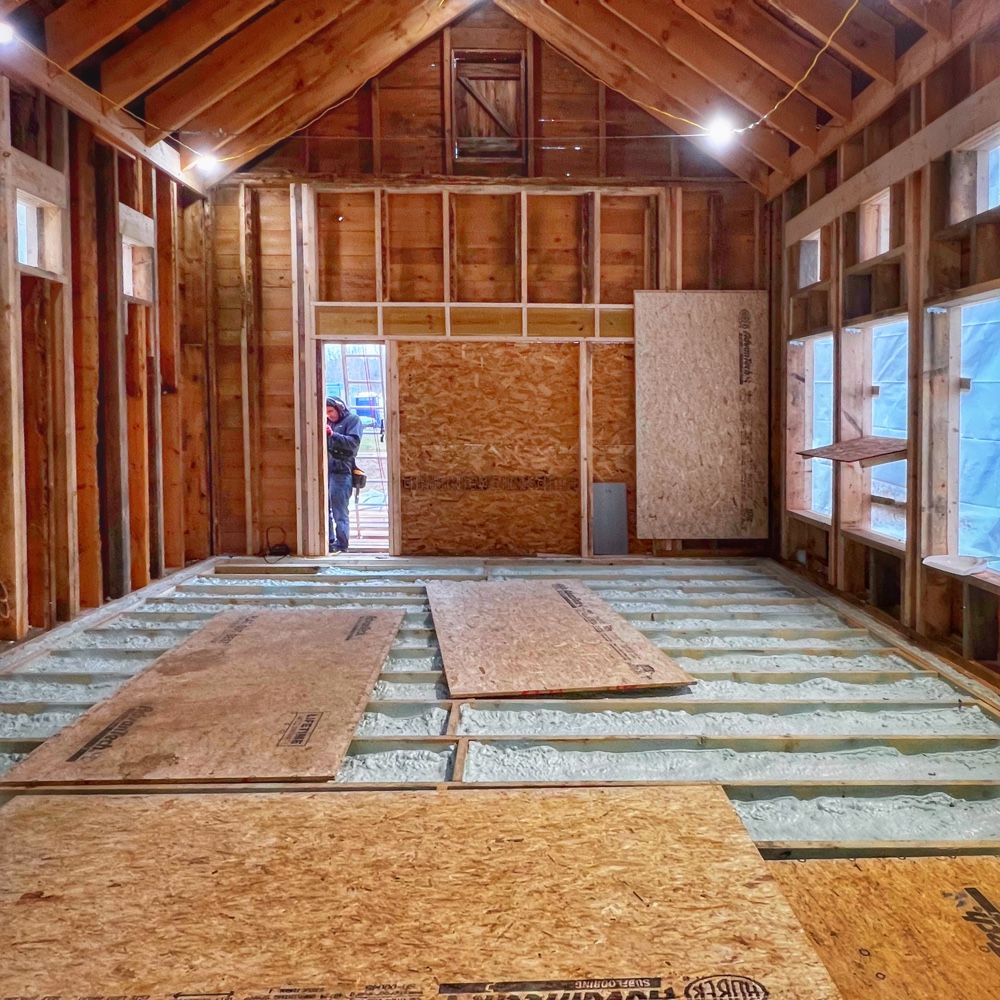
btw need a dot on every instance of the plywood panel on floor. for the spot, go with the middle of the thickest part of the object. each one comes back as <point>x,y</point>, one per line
<point>515,637</point>
<point>260,695</point>
<point>702,414</point>
<point>396,896</point>
<point>901,927</point>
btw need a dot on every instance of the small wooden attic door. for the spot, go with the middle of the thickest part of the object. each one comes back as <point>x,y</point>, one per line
<point>488,106</point>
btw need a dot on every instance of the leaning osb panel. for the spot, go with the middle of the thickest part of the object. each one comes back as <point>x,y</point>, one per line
<point>901,927</point>
<point>702,425</point>
<point>646,893</point>
<point>489,448</point>
<point>613,431</point>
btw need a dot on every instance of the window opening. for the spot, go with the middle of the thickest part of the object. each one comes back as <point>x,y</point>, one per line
<point>488,106</point>
<point>820,369</point>
<point>993,178</point>
<point>889,418</point>
<point>810,259</point>
<point>979,432</point>
<point>875,228</point>
<point>30,232</point>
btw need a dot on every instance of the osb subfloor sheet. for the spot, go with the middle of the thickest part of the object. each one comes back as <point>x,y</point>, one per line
<point>901,927</point>
<point>251,695</point>
<point>399,896</point>
<point>523,637</point>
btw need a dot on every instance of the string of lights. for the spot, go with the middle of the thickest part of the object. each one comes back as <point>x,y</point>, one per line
<point>719,132</point>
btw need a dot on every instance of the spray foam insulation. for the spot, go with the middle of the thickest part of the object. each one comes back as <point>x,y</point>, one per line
<point>590,894</point>
<point>528,637</point>
<point>261,695</point>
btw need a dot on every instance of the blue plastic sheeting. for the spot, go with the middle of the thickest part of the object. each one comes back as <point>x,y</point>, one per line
<point>822,423</point>
<point>979,433</point>
<point>993,179</point>
<point>890,369</point>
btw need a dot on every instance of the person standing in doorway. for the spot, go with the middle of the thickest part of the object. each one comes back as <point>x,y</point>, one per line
<point>343,438</point>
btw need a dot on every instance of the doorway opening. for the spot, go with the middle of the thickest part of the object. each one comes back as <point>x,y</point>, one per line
<point>356,373</point>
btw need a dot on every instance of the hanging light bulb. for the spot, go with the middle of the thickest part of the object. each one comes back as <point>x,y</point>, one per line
<point>720,132</point>
<point>6,33</point>
<point>206,163</point>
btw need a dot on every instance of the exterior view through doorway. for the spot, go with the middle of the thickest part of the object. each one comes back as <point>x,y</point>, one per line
<point>356,374</point>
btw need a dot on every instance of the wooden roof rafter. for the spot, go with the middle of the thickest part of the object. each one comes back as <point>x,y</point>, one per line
<point>607,66</point>
<point>176,40</point>
<point>731,70</point>
<point>700,100</point>
<point>866,40</point>
<point>758,34</point>
<point>373,49</point>
<point>79,28</point>
<point>238,59</point>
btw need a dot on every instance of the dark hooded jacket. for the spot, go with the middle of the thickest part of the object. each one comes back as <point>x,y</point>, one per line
<point>342,445</point>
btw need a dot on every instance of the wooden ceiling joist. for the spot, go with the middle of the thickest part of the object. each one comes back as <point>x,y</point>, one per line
<point>702,102</point>
<point>332,52</point>
<point>167,46</point>
<point>607,67</point>
<point>236,60</point>
<point>931,15</point>
<point>79,28</point>
<point>866,39</point>
<point>970,19</point>
<point>753,31</point>
<point>730,69</point>
<point>369,56</point>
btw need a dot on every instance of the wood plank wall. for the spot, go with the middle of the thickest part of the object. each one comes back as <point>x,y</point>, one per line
<point>488,234</point>
<point>103,422</point>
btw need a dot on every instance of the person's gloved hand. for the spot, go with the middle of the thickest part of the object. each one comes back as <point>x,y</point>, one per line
<point>329,430</point>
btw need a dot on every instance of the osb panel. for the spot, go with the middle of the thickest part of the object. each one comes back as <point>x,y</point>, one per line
<point>489,448</point>
<point>702,414</point>
<point>613,431</point>
<point>251,696</point>
<point>530,637</point>
<point>866,450</point>
<point>901,927</point>
<point>440,894</point>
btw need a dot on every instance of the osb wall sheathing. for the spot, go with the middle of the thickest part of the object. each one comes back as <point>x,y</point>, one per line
<point>396,895</point>
<point>489,449</point>
<point>613,434</point>
<point>901,927</point>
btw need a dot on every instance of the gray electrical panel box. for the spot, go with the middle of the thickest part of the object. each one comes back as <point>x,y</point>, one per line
<point>609,520</point>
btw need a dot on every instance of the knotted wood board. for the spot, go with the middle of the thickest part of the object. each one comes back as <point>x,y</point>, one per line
<point>646,893</point>
<point>530,637</point>
<point>252,696</point>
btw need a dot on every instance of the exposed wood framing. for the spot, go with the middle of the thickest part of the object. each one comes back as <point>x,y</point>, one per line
<point>595,48</point>
<point>753,31</point>
<point>729,68</point>
<point>28,65</point>
<point>79,28</point>
<point>373,51</point>
<point>171,43</point>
